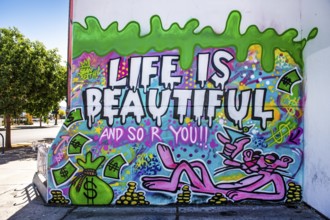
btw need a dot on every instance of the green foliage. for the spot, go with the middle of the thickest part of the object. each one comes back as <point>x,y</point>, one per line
<point>31,77</point>
<point>49,82</point>
<point>14,79</point>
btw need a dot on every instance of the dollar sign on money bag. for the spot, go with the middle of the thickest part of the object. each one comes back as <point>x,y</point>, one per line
<point>87,188</point>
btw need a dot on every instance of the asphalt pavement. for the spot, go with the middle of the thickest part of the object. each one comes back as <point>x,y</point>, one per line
<point>19,199</point>
<point>21,134</point>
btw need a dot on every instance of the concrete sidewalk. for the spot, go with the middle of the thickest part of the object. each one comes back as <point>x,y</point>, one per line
<point>20,200</point>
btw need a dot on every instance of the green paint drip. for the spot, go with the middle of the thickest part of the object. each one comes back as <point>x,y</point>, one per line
<point>130,41</point>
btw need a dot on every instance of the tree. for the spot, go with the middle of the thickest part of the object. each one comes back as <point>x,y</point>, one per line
<point>49,84</point>
<point>14,82</point>
<point>31,77</point>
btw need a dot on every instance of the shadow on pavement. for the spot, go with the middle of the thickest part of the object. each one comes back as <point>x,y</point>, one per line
<point>25,195</point>
<point>18,153</point>
<point>31,206</point>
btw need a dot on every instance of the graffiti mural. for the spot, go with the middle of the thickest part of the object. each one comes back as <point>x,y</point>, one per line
<point>179,116</point>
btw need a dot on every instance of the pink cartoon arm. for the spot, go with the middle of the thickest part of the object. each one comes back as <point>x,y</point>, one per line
<point>248,190</point>
<point>231,150</point>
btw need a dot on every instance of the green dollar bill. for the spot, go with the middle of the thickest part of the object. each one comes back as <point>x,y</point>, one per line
<point>288,80</point>
<point>64,173</point>
<point>74,116</point>
<point>77,143</point>
<point>113,168</point>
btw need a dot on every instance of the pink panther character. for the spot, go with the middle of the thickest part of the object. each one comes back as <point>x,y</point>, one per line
<point>261,170</point>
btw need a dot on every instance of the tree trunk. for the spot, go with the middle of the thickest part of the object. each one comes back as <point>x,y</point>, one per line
<point>8,131</point>
<point>40,119</point>
<point>56,115</point>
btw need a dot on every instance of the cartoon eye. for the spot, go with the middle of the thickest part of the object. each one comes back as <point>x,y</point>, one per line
<point>271,158</point>
<point>269,161</point>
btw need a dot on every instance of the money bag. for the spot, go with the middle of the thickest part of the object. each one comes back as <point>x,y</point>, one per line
<point>87,188</point>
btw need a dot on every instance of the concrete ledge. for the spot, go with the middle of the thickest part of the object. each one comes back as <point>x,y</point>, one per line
<point>41,184</point>
<point>127,213</point>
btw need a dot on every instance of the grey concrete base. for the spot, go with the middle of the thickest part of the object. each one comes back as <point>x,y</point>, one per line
<point>249,212</point>
<point>41,184</point>
<point>36,210</point>
<point>196,212</point>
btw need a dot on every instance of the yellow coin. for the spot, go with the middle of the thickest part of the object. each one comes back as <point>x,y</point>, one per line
<point>131,184</point>
<point>292,188</point>
<point>291,184</point>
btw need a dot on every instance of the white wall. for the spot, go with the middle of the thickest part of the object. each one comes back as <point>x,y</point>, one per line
<point>317,109</point>
<point>281,15</point>
<point>208,12</point>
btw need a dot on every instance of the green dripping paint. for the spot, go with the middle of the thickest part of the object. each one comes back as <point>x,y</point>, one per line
<point>129,40</point>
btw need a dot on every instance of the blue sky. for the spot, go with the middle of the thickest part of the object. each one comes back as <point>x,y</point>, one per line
<point>42,20</point>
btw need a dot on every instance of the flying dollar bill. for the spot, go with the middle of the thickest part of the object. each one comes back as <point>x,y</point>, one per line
<point>77,143</point>
<point>288,80</point>
<point>64,173</point>
<point>74,116</point>
<point>113,167</point>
